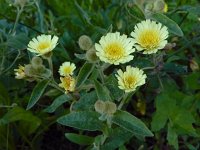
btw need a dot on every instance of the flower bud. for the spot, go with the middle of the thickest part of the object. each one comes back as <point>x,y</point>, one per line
<point>29,70</point>
<point>158,6</point>
<point>85,42</point>
<point>36,62</point>
<point>111,107</point>
<point>91,55</point>
<point>20,3</point>
<point>100,106</point>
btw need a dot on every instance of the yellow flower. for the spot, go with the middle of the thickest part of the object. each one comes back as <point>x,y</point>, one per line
<point>114,48</point>
<point>19,73</point>
<point>68,83</point>
<point>67,68</point>
<point>130,79</point>
<point>43,44</point>
<point>149,36</point>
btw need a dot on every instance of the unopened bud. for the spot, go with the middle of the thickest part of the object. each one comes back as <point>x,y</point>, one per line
<point>169,46</point>
<point>111,107</point>
<point>100,106</point>
<point>85,42</point>
<point>91,55</point>
<point>20,3</point>
<point>29,70</point>
<point>159,5</point>
<point>36,62</point>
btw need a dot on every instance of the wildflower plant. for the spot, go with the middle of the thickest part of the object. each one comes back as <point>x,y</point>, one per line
<point>99,91</point>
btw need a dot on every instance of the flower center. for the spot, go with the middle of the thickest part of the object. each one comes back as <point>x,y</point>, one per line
<point>149,39</point>
<point>114,51</point>
<point>67,70</point>
<point>42,46</point>
<point>129,81</point>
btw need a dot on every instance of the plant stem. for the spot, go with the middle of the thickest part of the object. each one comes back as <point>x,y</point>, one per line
<point>101,73</point>
<point>123,101</point>
<point>19,11</point>
<point>50,64</point>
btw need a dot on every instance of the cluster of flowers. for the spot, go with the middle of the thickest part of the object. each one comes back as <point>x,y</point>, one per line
<point>113,48</point>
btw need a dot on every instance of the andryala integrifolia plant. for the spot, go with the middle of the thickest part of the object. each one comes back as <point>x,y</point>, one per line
<point>95,109</point>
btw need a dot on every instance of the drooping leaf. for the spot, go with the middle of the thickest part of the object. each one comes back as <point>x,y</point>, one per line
<point>85,120</point>
<point>84,73</point>
<point>79,139</point>
<point>37,93</point>
<point>102,91</point>
<point>170,24</point>
<point>131,123</point>
<point>57,102</point>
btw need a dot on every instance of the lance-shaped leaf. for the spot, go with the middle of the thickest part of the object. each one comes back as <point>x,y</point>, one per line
<point>37,93</point>
<point>79,139</point>
<point>85,120</point>
<point>131,123</point>
<point>84,73</point>
<point>57,102</point>
<point>102,91</point>
<point>172,25</point>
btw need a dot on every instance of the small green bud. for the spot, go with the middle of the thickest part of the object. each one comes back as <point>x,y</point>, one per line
<point>29,70</point>
<point>40,69</point>
<point>46,73</point>
<point>85,42</point>
<point>20,3</point>
<point>100,106</point>
<point>158,6</point>
<point>111,107</point>
<point>91,55</point>
<point>36,62</point>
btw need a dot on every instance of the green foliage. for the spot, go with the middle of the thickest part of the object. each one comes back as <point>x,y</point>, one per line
<point>85,120</point>
<point>131,123</point>
<point>168,102</point>
<point>37,93</point>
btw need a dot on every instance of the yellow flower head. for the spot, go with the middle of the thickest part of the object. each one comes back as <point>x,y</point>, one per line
<point>19,73</point>
<point>68,83</point>
<point>67,68</point>
<point>149,36</point>
<point>42,44</point>
<point>130,79</point>
<point>114,48</point>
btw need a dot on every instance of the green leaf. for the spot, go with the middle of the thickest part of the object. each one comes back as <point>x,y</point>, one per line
<point>131,123</point>
<point>37,93</point>
<point>17,113</point>
<point>86,102</point>
<point>164,106</point>
<point>112,85</point>
<point>85,120</point>
<point>102,91</point>
<point>57,102</point>
<point>18,41</point>
<point>172,137</point>
<point>84,73</point>
<point>172,25</point>
<point>192,81</point>
<point>117,138</point>
<point>79,139</point>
